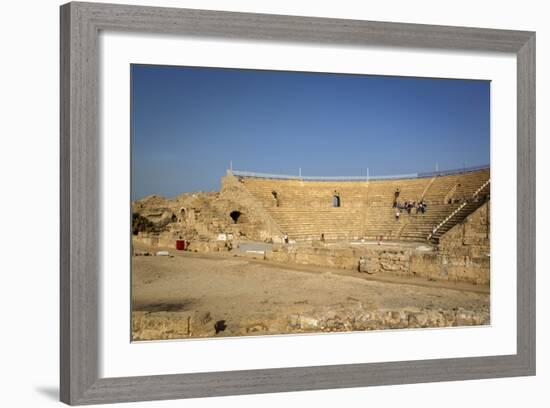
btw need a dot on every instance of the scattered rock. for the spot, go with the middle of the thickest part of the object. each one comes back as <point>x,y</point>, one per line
<point>308,323</point>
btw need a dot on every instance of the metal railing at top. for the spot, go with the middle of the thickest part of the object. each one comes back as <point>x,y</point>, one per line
<point>454,171</point>
<point>358,178</point>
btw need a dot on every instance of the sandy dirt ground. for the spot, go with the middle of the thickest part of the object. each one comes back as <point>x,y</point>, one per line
<point>202,295</point>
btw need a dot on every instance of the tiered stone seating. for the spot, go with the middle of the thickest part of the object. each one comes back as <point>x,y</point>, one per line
<point>310,224</point>
<point>417,227</point>
<point>456,186</point>
<point>304,209</point>
<point>443,197</point>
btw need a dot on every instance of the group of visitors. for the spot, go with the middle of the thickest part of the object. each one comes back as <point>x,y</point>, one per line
<point>420,207</point>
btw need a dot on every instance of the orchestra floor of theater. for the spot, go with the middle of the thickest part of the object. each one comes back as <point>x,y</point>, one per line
<point>193,295</point>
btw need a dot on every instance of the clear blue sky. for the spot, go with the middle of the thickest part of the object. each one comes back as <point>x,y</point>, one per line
<point>188,123</point>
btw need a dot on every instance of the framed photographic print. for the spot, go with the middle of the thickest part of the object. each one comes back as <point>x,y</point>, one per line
<point>261,203</point>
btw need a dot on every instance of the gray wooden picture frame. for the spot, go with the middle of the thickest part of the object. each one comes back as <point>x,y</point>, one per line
<point>80,191</point>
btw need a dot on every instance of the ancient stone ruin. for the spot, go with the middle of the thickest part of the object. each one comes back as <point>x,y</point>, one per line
<point>326,221</point>
<point>277,254</point>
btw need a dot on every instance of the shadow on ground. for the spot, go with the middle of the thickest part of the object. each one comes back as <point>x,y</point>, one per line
<point>51,393</point>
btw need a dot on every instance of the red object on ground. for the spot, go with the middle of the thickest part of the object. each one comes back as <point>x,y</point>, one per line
<point>180,244</point>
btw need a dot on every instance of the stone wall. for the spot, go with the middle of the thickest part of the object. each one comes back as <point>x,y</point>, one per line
<point>376,259</point>
<point>465,249</point>
<point>201,217</point>
<point>177,325</point>
<point>258,225</point>
<point>463,255</point>
<point>370,259</point>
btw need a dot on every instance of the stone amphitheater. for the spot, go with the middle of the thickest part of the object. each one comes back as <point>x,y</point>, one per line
<point>347,210</point>
<point>341,226</point>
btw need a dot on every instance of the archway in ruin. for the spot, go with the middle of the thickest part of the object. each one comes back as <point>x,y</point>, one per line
<point>236,216</point>
<point>336,200</point>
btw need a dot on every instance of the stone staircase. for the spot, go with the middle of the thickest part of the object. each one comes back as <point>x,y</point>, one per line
<point>477,199</point>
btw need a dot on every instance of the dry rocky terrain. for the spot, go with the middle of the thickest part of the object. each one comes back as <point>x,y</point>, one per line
<point>189,295</point>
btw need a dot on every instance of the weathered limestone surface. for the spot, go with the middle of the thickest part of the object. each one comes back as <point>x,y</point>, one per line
<point>375,259</point>
<point>258,223</point>
<point>177,325</point>
<point>359,320</point>
<point>201,217</point>
<point>465,249</point>
<point>463,255</point>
